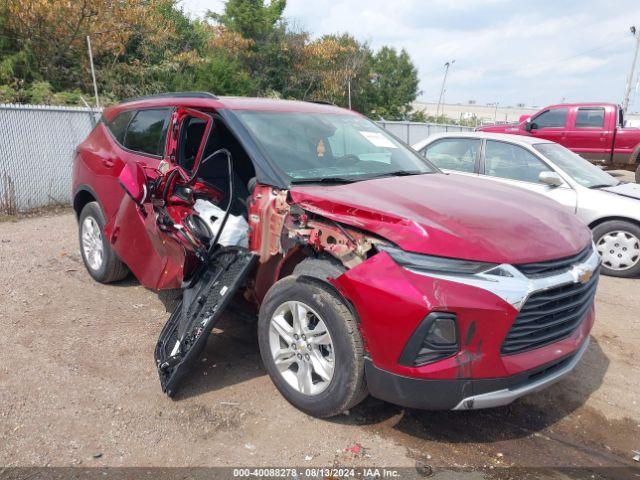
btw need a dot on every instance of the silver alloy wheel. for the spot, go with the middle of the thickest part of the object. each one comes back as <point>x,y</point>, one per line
<point>619,249</point>
<point>92,243</point>
<point>301,347</point>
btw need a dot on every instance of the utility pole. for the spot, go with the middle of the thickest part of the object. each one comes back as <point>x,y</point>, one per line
<point>93,72</point>
<point>627,93</point>
<point>349,87</point>
<point>444,81</point>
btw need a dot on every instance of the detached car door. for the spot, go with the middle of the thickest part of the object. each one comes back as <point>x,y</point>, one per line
<point>514,165</point>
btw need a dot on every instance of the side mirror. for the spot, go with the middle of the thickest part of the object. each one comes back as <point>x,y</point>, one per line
<point>529,125</point>
<point>550,178</point>
<point>134,182</point>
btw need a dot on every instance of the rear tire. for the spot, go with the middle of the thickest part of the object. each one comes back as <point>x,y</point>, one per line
<point>100,260</point>
<point>618,243</point>
<point>342,349</point>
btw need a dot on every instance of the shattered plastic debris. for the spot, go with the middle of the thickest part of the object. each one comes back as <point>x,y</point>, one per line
<point>308,458</point>
<point>636,456</point>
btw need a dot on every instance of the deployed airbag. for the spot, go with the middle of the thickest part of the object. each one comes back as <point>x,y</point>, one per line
<point>236,230</point>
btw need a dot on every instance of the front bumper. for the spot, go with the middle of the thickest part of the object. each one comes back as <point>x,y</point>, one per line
<point>467,394</point>
<point>392,301</point>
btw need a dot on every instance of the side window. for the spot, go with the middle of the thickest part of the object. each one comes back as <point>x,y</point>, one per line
<point>505,160</point>
<point>147,131</point>
<point>454,154</point>
<point>556,117</point>
<point>590,117</point>
<point>118,126</point>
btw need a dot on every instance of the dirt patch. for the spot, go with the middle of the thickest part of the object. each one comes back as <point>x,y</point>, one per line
<point>78,387</point>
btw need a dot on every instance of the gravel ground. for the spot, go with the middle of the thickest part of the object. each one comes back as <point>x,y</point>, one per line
<point>78,387</point>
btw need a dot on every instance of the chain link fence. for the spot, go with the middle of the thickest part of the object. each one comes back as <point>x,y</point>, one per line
<point>37,145</point>
<point>412,132</point>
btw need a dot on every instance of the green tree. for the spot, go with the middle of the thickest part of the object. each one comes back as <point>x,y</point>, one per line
<point>394,81</point>
<point>253,19</point>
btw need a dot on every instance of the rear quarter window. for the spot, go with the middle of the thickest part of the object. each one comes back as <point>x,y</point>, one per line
<point>118,126</point>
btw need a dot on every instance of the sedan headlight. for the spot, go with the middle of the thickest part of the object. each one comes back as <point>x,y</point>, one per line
<point>428,263</point>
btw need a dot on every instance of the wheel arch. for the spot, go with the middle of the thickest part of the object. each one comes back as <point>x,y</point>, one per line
<point>635,155</point>
<point>84,195</point>
<point>317,269</point>
<point>600,221</point>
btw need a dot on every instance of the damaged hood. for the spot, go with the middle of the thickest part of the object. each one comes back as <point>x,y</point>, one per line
<point>452,216</point>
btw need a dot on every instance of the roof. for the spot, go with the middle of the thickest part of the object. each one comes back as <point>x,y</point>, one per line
<point>204,100</point>
<point>521,139</point>
<point>582,104</point>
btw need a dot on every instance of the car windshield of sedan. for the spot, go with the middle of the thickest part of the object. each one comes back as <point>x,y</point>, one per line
<point>583,172</point>
<point>310,147</point>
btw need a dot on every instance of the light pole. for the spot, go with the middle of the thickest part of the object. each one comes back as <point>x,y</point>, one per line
<point>444,81</point>
<point>627,93</point>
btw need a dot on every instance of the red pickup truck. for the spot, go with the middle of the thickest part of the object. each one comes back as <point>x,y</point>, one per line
<point>595,131</point>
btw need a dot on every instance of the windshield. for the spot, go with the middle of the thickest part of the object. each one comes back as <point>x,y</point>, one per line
<point>311,147</point>
<point>575,166</point>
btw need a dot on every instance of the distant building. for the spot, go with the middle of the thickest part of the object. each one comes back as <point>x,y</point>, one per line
<point>483,114</point>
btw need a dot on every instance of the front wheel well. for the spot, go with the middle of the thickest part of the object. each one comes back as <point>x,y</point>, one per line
<point>600,221</point>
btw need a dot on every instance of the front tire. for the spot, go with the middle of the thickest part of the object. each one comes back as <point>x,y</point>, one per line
<point>311,347</point>
<point>618,243</point>
<point>100,260</point>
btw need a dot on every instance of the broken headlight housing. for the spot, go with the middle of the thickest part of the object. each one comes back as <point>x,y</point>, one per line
<point>427,263</point>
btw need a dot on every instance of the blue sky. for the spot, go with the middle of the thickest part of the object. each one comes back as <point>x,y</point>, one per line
<point>505,51</point>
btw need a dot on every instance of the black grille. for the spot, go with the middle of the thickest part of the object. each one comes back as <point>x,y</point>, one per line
<point>550,315</point>
<point>553,267</point>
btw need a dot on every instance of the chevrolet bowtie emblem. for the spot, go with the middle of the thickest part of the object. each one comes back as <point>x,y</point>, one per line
<point>581,274</point>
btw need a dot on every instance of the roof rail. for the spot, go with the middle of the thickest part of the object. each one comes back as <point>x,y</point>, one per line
<point>172,95</point>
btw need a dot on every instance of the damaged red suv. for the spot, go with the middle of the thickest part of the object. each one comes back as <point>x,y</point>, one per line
<point>371,271</point>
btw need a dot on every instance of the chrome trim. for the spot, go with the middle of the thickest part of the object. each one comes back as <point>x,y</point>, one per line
<point>505,396</point>
<point>515,287</point>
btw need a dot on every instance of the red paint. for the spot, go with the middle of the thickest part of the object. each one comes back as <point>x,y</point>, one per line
<point>452,216</point>
<point>391,301</point>
<point>435,214</point>
<point>610,144</point>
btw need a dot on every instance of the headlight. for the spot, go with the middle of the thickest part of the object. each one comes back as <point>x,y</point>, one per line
<point>427,263</point>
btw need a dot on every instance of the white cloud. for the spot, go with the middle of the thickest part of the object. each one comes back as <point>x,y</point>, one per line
<point>505,51</point>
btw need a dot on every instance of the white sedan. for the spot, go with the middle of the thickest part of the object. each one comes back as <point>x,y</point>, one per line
<point>609,207</point>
